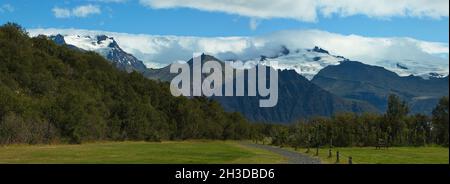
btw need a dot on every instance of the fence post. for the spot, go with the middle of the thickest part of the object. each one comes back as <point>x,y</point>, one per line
<point>317,151</point>
<point>337,156</point>
<point>330,154</point>
<point>350,160</point>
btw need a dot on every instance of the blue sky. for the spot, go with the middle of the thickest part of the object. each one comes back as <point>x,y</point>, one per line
<point>137,17</point>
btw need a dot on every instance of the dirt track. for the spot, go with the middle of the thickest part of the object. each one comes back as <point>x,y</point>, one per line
<point>292,157</point>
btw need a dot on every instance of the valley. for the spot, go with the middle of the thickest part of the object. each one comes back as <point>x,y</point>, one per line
<point>87,106</point>
<point>224,91</point>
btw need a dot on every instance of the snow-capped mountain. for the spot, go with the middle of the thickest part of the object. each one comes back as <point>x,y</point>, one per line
<point>105,46</point>
<point>418,68</point>
<point>159,51</point>
<point>306,62</point>
<point>404,56</point>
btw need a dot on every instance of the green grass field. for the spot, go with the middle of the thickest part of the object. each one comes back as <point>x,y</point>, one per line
<point>393,155</point>
<point>203,152</point>
<point>206,152</point>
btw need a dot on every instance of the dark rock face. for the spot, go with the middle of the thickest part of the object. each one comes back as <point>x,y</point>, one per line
<point>298,98</point>
<point>124,60</point>
<point>113,53</point>
<point>319,50</point>
<point>58,39</point>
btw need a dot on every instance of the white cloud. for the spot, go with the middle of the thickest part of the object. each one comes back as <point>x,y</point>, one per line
<point>110,1</point>
<point>308,10</point>
<point>263,9</point>
<point>158,51</point>
<point>80,11</point>
<point>86,10</point>
<point>6,8</point>
<point>386,8</point>
<point>61,12</point>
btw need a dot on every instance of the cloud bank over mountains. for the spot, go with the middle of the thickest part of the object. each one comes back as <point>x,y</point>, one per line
<point>158,51</point>
<point>309,10</point>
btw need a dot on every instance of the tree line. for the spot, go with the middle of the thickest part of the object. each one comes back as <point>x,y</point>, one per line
<point>396,127</point>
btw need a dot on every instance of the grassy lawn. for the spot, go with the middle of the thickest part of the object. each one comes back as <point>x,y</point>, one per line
<point>203,152</point>
<point>394,155</point>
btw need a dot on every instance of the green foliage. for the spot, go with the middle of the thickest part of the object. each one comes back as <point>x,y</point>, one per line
<point>54,93</point>
<point>395,119</point>
<point>440,122</point>
<point>396,127</point>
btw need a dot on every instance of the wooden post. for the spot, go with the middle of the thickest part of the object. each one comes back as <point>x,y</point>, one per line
<point>337,156</point>
<point>307,148</point>
<point>330,154</point>
<point>350,160</point>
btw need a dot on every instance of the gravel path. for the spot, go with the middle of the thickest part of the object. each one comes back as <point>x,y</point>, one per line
<point>292,157</point>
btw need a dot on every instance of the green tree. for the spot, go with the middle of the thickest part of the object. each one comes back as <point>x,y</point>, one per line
<point>440,122</point>
<point>394,119</point>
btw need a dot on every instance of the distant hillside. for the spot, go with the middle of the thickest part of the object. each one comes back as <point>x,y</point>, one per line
<point>373,84</point>
<point>298,99</point>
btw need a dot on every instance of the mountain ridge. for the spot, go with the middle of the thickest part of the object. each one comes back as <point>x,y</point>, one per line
<point>358,81</point>
<point>298,98</point>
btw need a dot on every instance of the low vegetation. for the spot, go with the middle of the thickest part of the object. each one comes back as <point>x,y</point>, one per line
<point>182,152</point>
